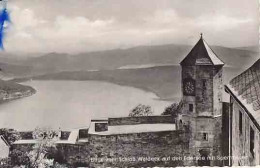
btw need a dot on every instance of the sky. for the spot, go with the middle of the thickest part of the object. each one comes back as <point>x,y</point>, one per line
<point>76,26</point>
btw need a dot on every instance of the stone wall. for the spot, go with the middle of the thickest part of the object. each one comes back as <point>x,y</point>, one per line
<point>188,72</point>
<point>211,143</point>
<point>73,155</point>
<point>241,153</point>
<point>130,149</point>
<point>205,121</point>
<point>225,132</point>
<point>204,92</point>
<point>141,120</point>
<point>218,89</point>
<point>217,142</point>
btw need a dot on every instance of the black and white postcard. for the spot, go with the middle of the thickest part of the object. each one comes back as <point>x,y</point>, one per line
<point>129,83</point>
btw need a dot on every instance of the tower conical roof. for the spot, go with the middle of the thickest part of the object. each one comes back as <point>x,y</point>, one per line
<point>201,54</point>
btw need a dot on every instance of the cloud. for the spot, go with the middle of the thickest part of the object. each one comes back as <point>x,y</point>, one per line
<point>222,22</point>
<point>63,35</point>
<point>81,26</point>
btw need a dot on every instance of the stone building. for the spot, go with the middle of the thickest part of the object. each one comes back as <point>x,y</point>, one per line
<point>202,102</point>
<point>244,91</point>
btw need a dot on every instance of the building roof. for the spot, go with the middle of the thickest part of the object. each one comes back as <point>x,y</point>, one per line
<point>246,87</point>
<point>131,129</point>
<point>4,140</point>
<point>202,54</point>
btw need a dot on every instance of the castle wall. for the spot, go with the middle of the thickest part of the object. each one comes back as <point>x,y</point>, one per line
<point>71,154</point>
<point>141,120</point>
<point>128,149</point>
<point>242,156</point>
<point>74,154</point>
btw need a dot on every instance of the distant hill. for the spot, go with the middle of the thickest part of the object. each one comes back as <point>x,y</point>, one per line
<point>151,68</point>
<point>112,59</point>
<point>249,48</point>
<point>164,81</point>
<point>9,70</point>
<point>170,54</point>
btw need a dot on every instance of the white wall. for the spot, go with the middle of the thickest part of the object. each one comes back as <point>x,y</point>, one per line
<point>4,149</point>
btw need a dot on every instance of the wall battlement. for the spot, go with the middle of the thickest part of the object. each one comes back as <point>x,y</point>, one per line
<point>141,120</point>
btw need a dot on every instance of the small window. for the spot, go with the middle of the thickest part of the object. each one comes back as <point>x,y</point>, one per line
<point>204,83</point>
<point>240,122</point>
<point>205,136</point>
<point>252,141</point>
<point>191,107</point>
<point>83,133</point>
<point>100,127</point>
<point>231,107</point>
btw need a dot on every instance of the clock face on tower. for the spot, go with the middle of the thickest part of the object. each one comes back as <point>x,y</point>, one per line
<point>189,87</point>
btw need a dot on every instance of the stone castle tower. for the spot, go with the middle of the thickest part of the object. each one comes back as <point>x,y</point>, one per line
<point>202,103</point>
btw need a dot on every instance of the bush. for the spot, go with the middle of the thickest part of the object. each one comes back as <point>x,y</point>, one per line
<point>141,110</point>
<point>10,135</point>
<point>173,110</point>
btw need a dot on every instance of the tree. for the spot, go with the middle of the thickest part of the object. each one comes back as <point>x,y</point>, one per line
<point>10,135</point>
<point>174,109</point>
<point>39,155</point>
<point>19,158</point>
<point>46,140</point>
<point>141,110</point>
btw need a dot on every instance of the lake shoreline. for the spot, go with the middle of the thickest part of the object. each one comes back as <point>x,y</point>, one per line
<point>71,104</point>
<point>161,96</point>
<point>23,95</point>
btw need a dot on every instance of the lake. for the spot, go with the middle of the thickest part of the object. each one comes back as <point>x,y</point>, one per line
<point>72,104</point>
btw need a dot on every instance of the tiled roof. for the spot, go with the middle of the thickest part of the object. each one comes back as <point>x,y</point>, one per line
<point>247,85</point>
<point>201,54</point>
